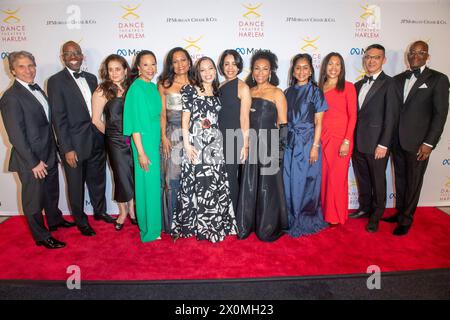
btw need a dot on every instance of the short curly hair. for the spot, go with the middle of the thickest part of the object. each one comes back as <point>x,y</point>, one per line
<point>273,61</point>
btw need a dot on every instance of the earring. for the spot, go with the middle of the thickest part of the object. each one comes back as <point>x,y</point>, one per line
<point>270,77</point>
<point>253,79</point>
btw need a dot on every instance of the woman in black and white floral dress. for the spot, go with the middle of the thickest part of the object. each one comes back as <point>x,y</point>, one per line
<point>204,207</point>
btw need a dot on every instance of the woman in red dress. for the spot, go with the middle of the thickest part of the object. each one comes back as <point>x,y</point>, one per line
<point>337,138</point>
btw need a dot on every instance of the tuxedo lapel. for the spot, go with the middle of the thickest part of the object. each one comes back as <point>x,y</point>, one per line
<point>31,99</point>
<point>74,88</point>
<point>374,88</point>
<point>422,78</point>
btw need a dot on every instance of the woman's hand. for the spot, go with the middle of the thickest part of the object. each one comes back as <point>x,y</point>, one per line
<point>144,161</point>
<point>191,153</point>
<point>314,154</point>
<point>166,147</point>
<point>344,149</point>
<point>244,154</point>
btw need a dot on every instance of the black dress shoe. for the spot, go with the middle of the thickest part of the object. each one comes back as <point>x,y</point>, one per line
<point>401,230</point>
<point>86,230</point>
<point>105,217</point>
<point>359,214</point>
<point>392,219</point>
<point>51,243</point>
<point>372,227</point>
<point>63,224</point>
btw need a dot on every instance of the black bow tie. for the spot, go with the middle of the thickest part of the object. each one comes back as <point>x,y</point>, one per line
<point>368,79</point>
<point>415,72</point>
<point>78,74</point>
<point>34,87</point>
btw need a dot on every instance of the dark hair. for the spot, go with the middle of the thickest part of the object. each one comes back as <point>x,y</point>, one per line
<point>376,46</point>
<point>237,59</point>
<point>423,43</point>
<point>198,79</point>
<point>108,87</point>
<point>168,74</point>
<point>137,62</point>
<point>273,61</point>
<point>13,56</point>
<point>340,86</point>
<point>308,58</point>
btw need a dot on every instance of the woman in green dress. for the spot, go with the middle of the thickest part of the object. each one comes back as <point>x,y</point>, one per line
<point>141,119</point>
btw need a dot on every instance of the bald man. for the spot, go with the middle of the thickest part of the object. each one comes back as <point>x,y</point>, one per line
<point>80,143</point>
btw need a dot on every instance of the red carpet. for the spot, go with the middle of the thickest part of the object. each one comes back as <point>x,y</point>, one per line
<point>112,255</point>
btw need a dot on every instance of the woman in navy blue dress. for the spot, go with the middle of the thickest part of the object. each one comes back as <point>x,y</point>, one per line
<point>302,157</point>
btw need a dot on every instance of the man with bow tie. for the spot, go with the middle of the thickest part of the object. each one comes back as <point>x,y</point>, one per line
<point>81,144</point>
<point>27,118</point>
<point>378,108</point>
<point>423,114</point>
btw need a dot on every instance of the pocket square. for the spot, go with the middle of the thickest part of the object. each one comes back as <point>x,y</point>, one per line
<point>423,86</point>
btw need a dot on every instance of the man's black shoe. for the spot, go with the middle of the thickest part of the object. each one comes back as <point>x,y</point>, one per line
<point>358,214</point>
<point>63,224</point>
<point>86,230</point>
<point>105,217</point>
<point>401,230</point>
<point>51,243</point>
<point>391,219</point>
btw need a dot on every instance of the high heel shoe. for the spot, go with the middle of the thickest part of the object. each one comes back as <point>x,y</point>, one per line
<point>133,221</point>
<point>118,226</point>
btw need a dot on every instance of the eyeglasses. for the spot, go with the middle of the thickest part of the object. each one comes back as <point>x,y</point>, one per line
<point>72,53</point>
<point>417,53</point>
<point>367,57</point>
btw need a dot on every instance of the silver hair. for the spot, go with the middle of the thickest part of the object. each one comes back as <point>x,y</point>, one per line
<point>13,56</point>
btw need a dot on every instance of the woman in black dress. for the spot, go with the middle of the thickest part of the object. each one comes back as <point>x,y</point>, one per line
<point>108,101</point>
<point>234,118</point>
<point>262,206</point>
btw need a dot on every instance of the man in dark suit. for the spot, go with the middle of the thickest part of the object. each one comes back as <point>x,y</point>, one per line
<point>26,115</point>
<point>423,114</point>
<point>378,108</point>
<point>80,143</point>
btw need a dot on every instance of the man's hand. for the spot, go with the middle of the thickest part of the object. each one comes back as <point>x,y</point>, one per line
<point>71,158</point>
<point>40,170</point>
<point>424,152</point>
<point>380,153</point>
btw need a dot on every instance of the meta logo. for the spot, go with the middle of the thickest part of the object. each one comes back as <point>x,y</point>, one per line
<point>247,51</point>
<point>446,162</point>
<point>357,51</point>
<point>4,55</point>
<point>127,52</point>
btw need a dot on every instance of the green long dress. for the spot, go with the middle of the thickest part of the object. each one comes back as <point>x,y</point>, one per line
<point>142,115</point>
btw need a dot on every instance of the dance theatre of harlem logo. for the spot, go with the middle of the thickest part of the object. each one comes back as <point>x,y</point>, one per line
<point>368,24</point>
<point>193,47</point>
<point>251,25</point>
<point>11,28</point>
<point>445,190</point>
<point>310,45</point>
<point>131,26</point>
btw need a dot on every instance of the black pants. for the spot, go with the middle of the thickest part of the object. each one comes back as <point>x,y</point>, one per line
<point>409,174</point>
<point>371,179</point>
<point>92,172</point>
<point>38,194</point>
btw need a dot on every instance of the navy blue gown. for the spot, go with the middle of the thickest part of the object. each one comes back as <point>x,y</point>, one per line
<point>302,180</point>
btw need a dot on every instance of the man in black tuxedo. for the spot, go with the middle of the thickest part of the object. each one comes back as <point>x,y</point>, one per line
<point>378,108</point>
<point>80,143</point>
<point>423,114</point>
<point>26,115</point>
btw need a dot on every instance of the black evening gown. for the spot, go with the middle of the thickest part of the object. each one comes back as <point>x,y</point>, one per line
<point>229,119</point>
<point>262,206</point>
<point>119,151</point>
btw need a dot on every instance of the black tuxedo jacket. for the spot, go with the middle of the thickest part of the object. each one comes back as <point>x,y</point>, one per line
<point>29,131</point>
<point>71,120</point>
<point>378,116</point>
<point>423,114</point>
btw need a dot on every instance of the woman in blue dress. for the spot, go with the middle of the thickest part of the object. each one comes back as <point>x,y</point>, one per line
<point>302,158</point>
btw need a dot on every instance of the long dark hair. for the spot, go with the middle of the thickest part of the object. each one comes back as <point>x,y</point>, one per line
<point>108,87</point>
<point>198,78</point>
<point>308,58</point>
<point>137,62</point>
<point>168,74</point>
<point>273,61</point>
<point>340,86</point>
<point>237,59</point>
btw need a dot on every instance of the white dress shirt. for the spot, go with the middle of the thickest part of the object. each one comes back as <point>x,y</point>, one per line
<point>84,88</point>
<point>39,96</point>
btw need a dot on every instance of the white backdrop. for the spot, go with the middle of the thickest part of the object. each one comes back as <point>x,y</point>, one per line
<point>203,27</point>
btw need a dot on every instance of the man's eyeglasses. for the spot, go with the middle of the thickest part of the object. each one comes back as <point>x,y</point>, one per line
<point>72,53</point>
<point>417,53</point>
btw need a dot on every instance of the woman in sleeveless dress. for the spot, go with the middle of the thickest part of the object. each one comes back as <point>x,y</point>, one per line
<point>262,206</point>
<point>204,207</point>
<point>234,118</point>
<point>177,73</point>
<point>108,101</point>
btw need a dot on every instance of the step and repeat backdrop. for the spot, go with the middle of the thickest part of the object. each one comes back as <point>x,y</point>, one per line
<point>204,27</point>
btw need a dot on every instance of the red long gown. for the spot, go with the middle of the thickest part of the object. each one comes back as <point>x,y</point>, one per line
<point>338,124</point>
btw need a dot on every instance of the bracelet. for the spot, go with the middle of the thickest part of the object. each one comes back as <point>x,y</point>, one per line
<point>316,145</point>
<point>346,142</point>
